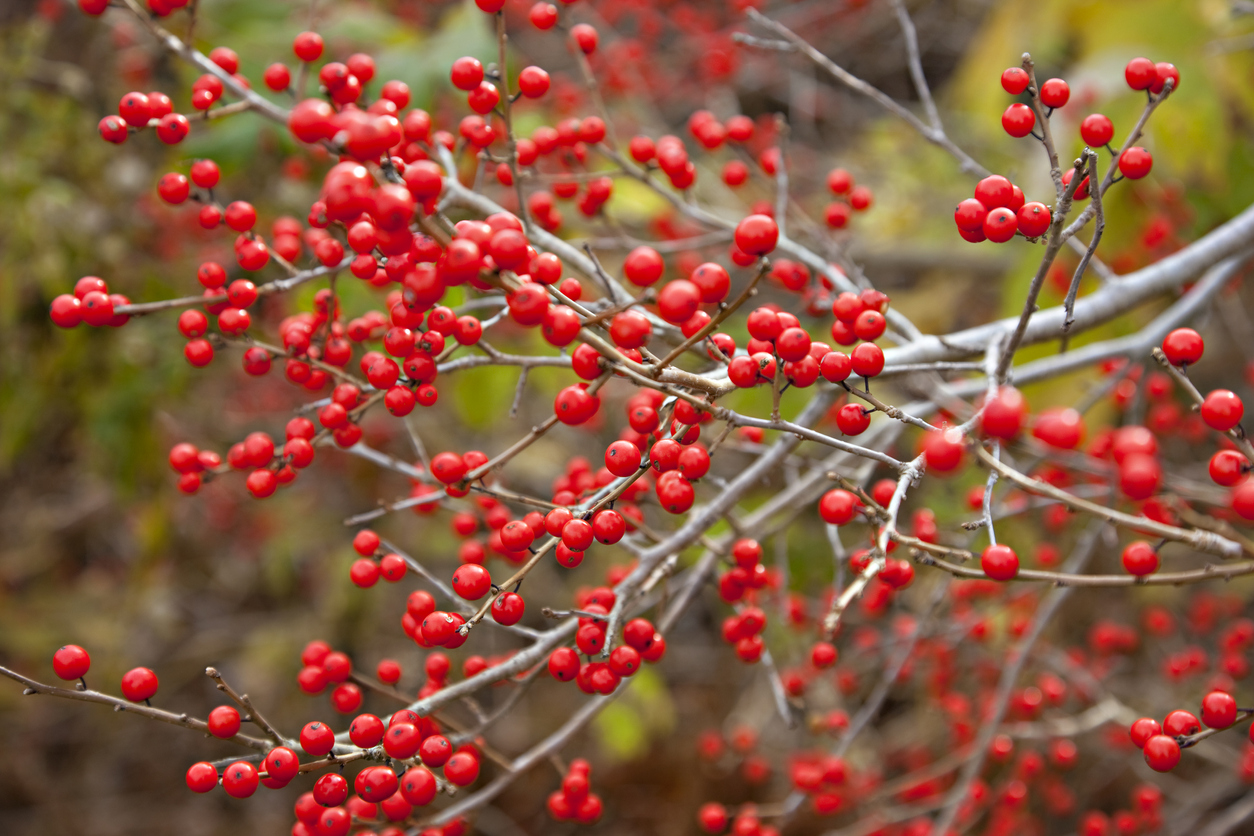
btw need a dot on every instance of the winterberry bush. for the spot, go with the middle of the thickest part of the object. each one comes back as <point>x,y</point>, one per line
<point>740,446</point>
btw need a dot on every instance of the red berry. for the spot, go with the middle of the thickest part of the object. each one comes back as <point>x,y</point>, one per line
<point>71,662</point>
<point>622,458</point>
<point>418,786</point>
<point>1143,729</point>
<point>969,215</point>
<point>999,562</point>
<point>585,38</point>
<point>1162,753</point>
<point>1222,410</point>
<point>1018,120</point>
<point>1055,92</point>
<point>860,198</point>
<point>307,46</point>
<point>852,419</point>
<point>1096,130</point>
<point>331,790</point>
<point>1135,163</point>
<point>1183,347</point>
<point>471,581</point>
<point>508,608</point>
<point>435,750</point>
<point>543,16</point>
<point>533,82</point>
<point>1015,80</point>
<point>994,192</point>
<point>1000,225</point>
<point>1139,476</point>
<point>1140,73</point>
<point>757,234</point>
<point>837,507</point>
<point>201,777</point>
<point>1227,467</point>
<point>466,73</point>
<point>867,360</point>
<point>317,739</point>
<point>1181,723</point>
<point>462,769</point>
<point>1162,72</point>
<point>643,266</point>
<point>1219,710</point>
<point>240,779</point>
<point>1004,414</point>
<point>1139,558</point>
<point>823,655</point>
<point>712,817</point>
<point>139,684</point>
<point>224,722</point>
<point>402,740</point>
<point>1033,219</point>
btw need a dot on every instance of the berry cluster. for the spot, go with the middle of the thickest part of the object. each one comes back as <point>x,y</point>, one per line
<point>575,801</point>
<point>690,329</point>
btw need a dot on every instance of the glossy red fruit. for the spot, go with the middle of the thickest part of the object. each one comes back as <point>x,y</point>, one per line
<point>1183,347</point>
<point>402,740</point>
<point>139,684</point>
<point>676,495</point>
<point>508,608</point>
<point>1228,467</point>
<point>331,790</point>
<point>418,786</point>
<point>1015,80</point>
<point>466,73</point>
<point>1004,414</point>
<point>823,655</point>
<point>585,37</point>
<point>678,301</point>
<point>1162,753</point>
<point>1096,130</point>
<point>71,662</point>
<point>1139,558</point>
<point>201,777</point>
<point>757,234</point>
<point>366,730</point>
<point>999,562</point>
<point>643,266</point>
<point>1135,163</point>
<point>317,739</point>
<point>1055,92</point>
<point>853,419</point>
<point>435,750</point>
<point>1140,476</point>
<point>462,769</point>
<point>1219,710</point>
<point>240,779</point>
<point>969,215</point>
<point>224,722</point>
<point>1163,72</point>
<point>472,581</point>
<point>1222,410</point>
<point>1000,225</point>
<point>837,507</point>
<point>1018,120</point>
<point>622,458</point>
<point>867,360</point>
<point>1140,73</point>
<point>1033,219</point>
<point>1181,722</point>
<point>994,192</point>
<point>1143,729</point>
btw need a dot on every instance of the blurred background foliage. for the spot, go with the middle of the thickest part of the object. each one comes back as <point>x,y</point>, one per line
<point>99,548</point>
